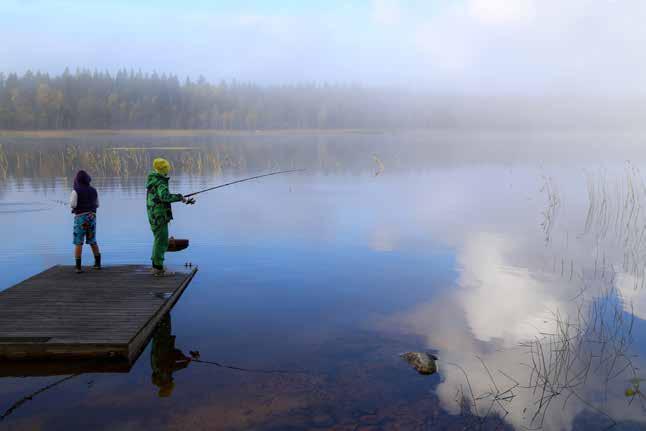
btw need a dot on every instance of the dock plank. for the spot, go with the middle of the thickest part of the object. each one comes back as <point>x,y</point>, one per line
<point>111,312</point>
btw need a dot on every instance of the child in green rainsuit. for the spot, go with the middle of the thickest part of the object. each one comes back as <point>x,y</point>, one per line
<point>158,206</point>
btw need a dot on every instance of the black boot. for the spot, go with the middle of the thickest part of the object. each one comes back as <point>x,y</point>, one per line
<point>97,261</point>
<point>79,269</point>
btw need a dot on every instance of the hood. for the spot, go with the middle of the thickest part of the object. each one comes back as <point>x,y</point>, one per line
<point>82,179</point>
<point>161,165</point>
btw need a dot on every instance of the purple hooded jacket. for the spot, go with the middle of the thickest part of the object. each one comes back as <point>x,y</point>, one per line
<point>87,197</point>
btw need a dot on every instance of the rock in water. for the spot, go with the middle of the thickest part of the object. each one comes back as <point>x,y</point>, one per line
<point>423,362</point>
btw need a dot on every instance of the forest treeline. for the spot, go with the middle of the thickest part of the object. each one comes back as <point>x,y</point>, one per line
<point>129,100</point>
<point>136,100</point>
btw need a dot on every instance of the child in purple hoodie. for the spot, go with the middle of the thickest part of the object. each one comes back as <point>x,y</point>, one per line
<point>84,201</point>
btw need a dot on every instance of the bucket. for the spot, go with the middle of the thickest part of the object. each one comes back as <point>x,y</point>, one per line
<point>177,244</point>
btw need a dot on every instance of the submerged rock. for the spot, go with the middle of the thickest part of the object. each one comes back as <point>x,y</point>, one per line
<point>423,362</point>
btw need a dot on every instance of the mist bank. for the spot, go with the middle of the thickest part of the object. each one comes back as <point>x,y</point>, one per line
<point>135,100</point>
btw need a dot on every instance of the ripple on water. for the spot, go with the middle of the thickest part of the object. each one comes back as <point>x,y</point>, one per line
<point>24,207</point>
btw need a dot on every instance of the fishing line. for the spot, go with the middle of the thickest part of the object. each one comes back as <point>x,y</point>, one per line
<point>31,396</point>
<point>250,370</point>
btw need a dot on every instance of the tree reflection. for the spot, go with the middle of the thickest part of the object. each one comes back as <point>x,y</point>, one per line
<point>124,155</point>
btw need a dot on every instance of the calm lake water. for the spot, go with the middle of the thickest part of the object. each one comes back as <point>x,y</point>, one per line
<point>518,258</point>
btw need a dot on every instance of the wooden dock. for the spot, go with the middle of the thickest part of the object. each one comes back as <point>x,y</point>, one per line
<point>109,313</point>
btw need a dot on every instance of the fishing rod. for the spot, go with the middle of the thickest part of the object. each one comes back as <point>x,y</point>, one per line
<point>242,180</point>
<point>191,201</point>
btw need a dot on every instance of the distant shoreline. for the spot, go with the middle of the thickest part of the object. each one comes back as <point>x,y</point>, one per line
<point>41,134</point>
<point>186,133</point>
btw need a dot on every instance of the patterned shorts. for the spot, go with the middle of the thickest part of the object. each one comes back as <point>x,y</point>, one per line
<point>85,227</point>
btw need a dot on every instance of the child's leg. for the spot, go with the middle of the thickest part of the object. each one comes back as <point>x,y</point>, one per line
<point>78,242</point>
<point>97,255</point>
<point>160,245</point>
<point>78,250</point>
<point>90,235</point>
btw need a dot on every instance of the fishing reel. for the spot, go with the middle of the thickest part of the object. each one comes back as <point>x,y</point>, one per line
<point>190,201</point>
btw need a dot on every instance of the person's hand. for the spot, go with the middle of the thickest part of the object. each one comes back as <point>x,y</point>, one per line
<point>188,201</point>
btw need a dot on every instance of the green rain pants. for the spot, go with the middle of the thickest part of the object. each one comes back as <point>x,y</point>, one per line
<point>160,244</point>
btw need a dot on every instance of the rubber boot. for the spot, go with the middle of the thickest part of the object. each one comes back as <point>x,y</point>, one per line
<point>160,271</point>
<point>97,261</point>
<point>79,269</point>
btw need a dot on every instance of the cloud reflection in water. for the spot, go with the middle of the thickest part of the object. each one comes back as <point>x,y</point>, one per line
<point>542,331</point>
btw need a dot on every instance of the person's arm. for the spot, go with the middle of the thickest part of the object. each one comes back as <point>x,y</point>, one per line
<point>97,200</point>
<point>73,199</point>
<point>165,196</point>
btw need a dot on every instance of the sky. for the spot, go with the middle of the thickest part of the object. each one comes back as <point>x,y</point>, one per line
<point>471,46</point>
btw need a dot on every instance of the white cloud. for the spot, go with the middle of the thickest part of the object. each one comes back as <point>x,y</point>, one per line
<point>471,45</point>
<point>502,11</point>
<point>387,12</point>
<point>500,301</point>
<point>633,294</point>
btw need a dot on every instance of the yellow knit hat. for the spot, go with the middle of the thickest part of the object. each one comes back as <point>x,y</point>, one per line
<point>161,165</point>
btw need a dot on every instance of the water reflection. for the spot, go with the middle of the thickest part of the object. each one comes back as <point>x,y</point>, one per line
<point>165,358</point>
<point>165,361</point>
<point>129,153</point>
<point>547,338</point>
<point>17,404</point>
<point>526,278</point>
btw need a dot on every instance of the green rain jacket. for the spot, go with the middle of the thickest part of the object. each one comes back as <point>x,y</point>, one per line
<point>158,199</point>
